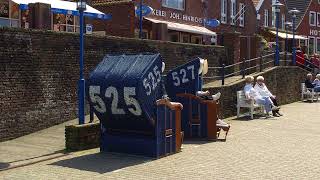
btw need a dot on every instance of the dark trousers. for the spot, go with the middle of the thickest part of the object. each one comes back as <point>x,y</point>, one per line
<point>276,104</point>
<point>274,101</point>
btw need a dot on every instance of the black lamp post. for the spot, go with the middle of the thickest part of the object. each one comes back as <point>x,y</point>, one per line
<point>81,7</point>
<point>294,13</point>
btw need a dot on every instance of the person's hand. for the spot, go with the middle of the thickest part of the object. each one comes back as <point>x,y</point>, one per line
<point>273,97</point>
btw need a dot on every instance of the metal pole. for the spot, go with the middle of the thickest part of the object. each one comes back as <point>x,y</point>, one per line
<point>140,19</point>
<point>261,61</point>
<point>243,68</point>
<point>277,38</point>
<point>223,73</point>
<point>293,41</point>
<point>286,50</point>
<point>81,96</point>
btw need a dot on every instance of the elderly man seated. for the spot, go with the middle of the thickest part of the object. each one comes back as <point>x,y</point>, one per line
<point>262,89</point>
<point>253,94</point>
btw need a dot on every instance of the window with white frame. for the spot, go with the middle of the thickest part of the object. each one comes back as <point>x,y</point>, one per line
<point>318,19</point>
<point>233,12</point>
<point>266,18</point>
<point>312,18</point>
<point>223,11</point>
<point>9,14</point>
<point>311,45</point>
<point>283,20</point>
<point>242,14</point>
<point>174,4</point>
<point>318,45</point>
<point>65,22</point>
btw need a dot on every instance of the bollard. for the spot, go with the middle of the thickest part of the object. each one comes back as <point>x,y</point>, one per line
<point>261,66</point>
<point>243,68</point>
<point>223,73</point>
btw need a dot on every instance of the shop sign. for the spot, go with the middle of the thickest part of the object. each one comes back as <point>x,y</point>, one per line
<point>212,22</point>
<point>146,10</point>
<point>177,16</point>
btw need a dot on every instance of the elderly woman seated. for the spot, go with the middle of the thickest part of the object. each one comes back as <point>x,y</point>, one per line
<point>316,81</point>
<point>262,89</point>
<point>253,94</point>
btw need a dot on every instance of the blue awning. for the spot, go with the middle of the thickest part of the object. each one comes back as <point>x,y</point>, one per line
<point>65,7</point>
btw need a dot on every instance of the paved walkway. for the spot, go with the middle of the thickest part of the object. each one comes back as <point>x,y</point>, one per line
<point>275,148</point>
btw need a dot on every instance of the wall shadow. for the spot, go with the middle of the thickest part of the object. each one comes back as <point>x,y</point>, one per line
<point>102,162</point>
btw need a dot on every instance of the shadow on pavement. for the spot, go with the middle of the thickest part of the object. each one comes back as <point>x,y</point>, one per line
<point>255,117</point>
<point>102,162</point>
<point>4,165</point>
<point>36,157</point>
<point>195,141</point>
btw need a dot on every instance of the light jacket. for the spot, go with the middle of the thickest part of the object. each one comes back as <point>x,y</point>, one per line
<point>263,90</point>
<point>250,92</point>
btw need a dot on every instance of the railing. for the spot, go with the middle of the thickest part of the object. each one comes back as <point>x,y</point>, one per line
<point>244,67</point>
<point>308,65</point>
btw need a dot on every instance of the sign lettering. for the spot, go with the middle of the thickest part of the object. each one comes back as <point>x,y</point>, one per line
<point>178,16</point>
<point>314,32</point>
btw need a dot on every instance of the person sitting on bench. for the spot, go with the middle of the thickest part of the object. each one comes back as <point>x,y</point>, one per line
<point>315,84</point>
<point>253,94</point>
<point>264,92</point>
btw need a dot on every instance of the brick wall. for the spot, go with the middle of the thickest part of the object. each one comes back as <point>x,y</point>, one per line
<point>122,22</point>
<point>39,73</point>
<point>284,82</point>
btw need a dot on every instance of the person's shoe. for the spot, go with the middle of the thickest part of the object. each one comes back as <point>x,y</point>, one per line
<point>279,113</point>
<point>275,108</point>
<point>202,93</point>
<point>222,123</point>
<point>274,113</point>
<point>216,96</point>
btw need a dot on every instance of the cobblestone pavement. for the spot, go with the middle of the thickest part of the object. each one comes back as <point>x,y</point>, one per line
<point>274,148</point>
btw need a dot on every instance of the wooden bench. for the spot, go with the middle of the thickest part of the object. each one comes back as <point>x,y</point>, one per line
<point>243,102</point>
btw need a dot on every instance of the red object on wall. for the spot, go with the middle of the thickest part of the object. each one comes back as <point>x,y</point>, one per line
<point>300,58</point>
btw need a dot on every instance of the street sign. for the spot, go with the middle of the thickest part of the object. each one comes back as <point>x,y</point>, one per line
<point>146,10</point>
<point>212,22</point>
<point>88,29</point>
